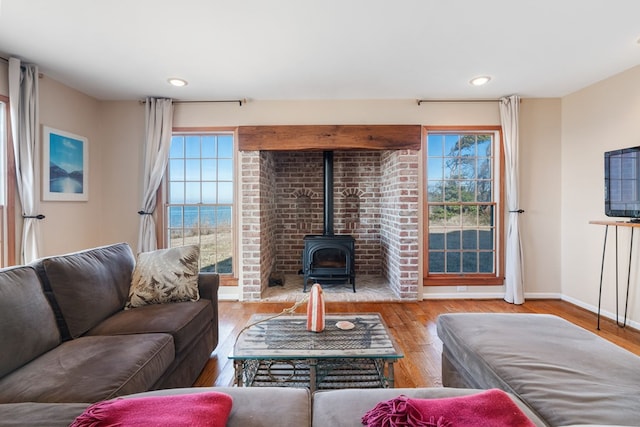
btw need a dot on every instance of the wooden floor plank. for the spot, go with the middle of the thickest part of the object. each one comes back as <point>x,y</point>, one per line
<point>412,325</point>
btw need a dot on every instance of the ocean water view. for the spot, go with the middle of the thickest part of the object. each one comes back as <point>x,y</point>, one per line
<point>203,216</point>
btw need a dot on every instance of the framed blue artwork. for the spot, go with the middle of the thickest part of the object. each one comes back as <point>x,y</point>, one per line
<point>65,166</point>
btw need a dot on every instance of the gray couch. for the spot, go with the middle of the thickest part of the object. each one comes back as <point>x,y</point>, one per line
<point>564,373</point>
<point>257,406</point>
<point>66,337</point>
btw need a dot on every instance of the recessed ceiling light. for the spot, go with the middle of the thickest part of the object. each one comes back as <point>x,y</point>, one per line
<point>479,81</point>
<point>174,81</point>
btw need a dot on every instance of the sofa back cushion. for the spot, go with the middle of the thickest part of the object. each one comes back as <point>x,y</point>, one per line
<point>90,285</point>
<point>27,324</point>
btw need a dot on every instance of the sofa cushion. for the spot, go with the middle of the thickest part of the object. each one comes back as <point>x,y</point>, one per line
<point>27,324</point>
<point>31,414</point>
<point>90,369</point>
<point>565,373</point>
<point>258,406</point>
<point>89,285</point>
<point>184,320</point>
<point>345,408</point>
<point>165,275</point>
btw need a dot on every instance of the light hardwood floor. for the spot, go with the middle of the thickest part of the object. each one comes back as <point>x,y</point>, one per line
<point>413,327</point>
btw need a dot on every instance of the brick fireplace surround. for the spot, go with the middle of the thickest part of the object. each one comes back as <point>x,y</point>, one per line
<point>376,200</point>
<point>375,197</point>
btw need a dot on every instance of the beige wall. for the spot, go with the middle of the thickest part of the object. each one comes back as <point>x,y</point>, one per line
<point>602,117</point>
<point>116,133</point>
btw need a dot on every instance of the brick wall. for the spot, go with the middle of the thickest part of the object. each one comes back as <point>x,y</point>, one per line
<point>375,201</point>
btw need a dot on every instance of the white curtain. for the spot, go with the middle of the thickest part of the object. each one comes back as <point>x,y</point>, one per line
<point>514,277</point>
<point>23,98</point>
<point>158,122</point>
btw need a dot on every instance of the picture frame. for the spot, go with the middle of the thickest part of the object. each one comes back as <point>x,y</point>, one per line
<point>65,166</point>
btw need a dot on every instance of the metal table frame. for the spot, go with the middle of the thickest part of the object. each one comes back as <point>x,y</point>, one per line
<point>281,352</point>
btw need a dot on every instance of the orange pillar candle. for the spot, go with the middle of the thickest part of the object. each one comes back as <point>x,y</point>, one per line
<point>315,309</point>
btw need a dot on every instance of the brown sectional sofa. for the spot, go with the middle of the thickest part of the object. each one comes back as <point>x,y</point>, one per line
<point>66,337</point>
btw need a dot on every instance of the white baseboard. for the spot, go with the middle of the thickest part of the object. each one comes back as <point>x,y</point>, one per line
<point>229,293</point>
<point>232,293</point>
<point>603,313</point>
<point>486,295</point>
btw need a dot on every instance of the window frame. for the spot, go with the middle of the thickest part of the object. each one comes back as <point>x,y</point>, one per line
<point>468,279</point>
<point>230,279</point>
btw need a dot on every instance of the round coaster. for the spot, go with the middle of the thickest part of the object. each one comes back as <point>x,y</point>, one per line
<point>345,325</point>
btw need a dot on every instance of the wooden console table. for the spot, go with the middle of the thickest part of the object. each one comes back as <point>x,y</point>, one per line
<point>616,224</point>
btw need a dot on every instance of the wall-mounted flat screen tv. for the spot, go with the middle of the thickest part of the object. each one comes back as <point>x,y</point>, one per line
<point>622,183</point>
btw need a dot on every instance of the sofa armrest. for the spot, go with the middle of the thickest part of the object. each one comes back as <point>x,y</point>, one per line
<point>208,284</point>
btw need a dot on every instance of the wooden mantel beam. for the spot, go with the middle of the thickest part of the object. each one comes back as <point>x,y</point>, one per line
<point>329,137</point>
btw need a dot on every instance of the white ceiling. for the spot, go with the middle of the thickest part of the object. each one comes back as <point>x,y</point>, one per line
<point>323,49</point>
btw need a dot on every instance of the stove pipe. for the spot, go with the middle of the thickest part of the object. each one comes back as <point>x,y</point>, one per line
<point>328,193</point>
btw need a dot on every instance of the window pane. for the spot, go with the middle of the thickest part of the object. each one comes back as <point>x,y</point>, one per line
<point>209,192</point>
<point>470,239</point>
<point>225,170</point>
<point>434,168</point>
<point>453,240</point>
<point>225,192</point>
<point>436,238</point>
<point>208,146</point>
<point>224,215</point>
<point>225,146</point>
<point>192,170</point>
<point>436,191</point>
<point>436,216</point>
<point>470,262</point>
<point>485,192</point>
<point>484,168</point>
<point>485,239</point>
<point>484,146</point>
<point>468,145</point>
<point>208,170</point>
<point>177,147</point>
<point>486,262</point>
<point>436,262</point>
<point>175,216</point>
<point>207,216</point>
<point>451,145</point>
<point>176,170</point>
<point>176,192</point>
<point>192,192</point>
<point>451,191</point>
<point>485,215</point>
<point>191,216</point>
<point>435,145</point>
<point>192,150</point>
<point>469,216</point>
<point>453,262</point>
<point>452,216</point>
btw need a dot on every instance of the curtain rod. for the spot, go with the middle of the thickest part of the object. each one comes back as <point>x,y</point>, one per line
<point>420,101</point>
<point>238,101</point>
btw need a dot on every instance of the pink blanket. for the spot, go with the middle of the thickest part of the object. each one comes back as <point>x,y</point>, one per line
<point>210,409</point>
<point>491,408</point>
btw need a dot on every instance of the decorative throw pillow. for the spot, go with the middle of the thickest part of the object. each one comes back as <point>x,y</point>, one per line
<point>165,275</point>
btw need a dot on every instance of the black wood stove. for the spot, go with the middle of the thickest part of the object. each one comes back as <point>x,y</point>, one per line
<point>329,258</point>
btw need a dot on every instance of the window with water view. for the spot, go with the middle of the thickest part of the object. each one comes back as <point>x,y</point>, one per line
<point>200,197</point>
<point>462,200</point>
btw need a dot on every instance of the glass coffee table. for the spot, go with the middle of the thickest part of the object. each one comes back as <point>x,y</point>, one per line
<point>281,352</point>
